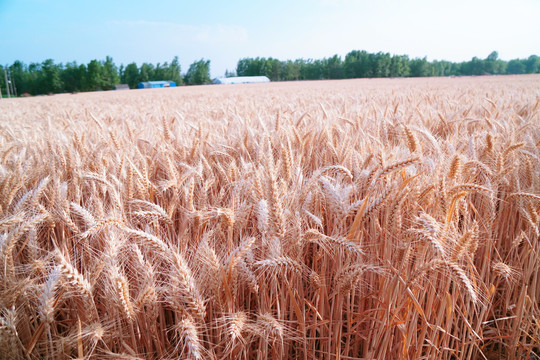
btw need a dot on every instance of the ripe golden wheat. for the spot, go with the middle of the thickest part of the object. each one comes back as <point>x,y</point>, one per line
<point>371,219</point>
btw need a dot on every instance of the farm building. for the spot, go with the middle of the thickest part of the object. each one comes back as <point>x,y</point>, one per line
<point>156,84</point>
<point>241,80</point>
<point>121,87</point>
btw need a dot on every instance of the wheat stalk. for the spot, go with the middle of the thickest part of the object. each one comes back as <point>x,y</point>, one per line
<point>275,221</point>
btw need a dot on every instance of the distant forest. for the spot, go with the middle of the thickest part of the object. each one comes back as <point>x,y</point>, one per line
<point>48,77</point>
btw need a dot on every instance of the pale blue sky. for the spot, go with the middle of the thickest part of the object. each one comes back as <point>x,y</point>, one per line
<point>226,31</point>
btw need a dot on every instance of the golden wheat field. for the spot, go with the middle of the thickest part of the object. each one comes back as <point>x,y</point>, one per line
<point>354,219</point>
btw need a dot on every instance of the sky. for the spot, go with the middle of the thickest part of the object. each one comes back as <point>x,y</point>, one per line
<point>226,31</point>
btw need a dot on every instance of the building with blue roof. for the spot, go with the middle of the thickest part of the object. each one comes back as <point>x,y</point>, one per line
<point>156,84</point>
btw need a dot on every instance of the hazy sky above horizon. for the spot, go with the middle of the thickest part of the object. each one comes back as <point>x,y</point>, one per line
<point>226,31</point>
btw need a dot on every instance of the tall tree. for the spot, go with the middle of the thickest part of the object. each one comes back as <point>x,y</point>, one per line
<point>313,69</point>
<point>121,73</point>
<point>253,67</point>
<point>492,64</point>
<point>290,70</point>
<point>34,78</point>
<point>516,66</point>
<point>83,75</point>
<point>19,75</point>
<point>109,77</point>
<point>50,77</point>
<point>473,67</point>
<point>174,71</point>
<point>71,77</point>
<point>357,64</point>
<point>131,75</point>
<point>399,66</point>
<point>419,67</point>
<point>532,64</point>
<point>94,75</point>
<point>242,67</point>
<point>198,73</point>
<point>334,67</point>
<point>273,69</point>
<point>146,72</point>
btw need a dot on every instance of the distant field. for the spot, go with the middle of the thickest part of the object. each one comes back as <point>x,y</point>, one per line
<point>371,219</point>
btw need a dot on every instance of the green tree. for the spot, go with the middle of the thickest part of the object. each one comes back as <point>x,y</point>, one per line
<point>34,75</point>
<point>83,75</point>
<point>516,66</point>
<point>492,65</point>
<point>242,67</point>
<point>254,67</point>
<point>356,64</point>
<point>198,73</point>
<point>441,68</point>
<point>94,75</point>
<point>290,70</point>
<point>532,64</point>
<point>380,64</point>
<point>174,71</point>
<point>121,73</point>
<point>272,69</point>
<point>131,75</point>
<point>109,74</point>
<point>399,66</point>
<point>334,67</point>
<point>146,72</point>
<point>71,77</point>
<point>50,77</point>
<point>493,56</point>
<point>160,71</point>
<point>314,70</point>
<point>473,67</point>
<point>19,75</point>
<point>420,67</point>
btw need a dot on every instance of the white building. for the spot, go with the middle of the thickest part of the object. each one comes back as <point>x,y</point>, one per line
<point>241,80</point>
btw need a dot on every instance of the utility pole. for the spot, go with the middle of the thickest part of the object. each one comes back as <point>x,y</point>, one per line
<point>12,83</point>
<point>10,86</point>
<point>7,83</point>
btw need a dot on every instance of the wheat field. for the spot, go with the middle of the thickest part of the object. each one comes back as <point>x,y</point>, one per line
<point>353,219</point>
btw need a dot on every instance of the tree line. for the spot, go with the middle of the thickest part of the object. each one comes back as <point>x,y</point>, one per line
<point>361,64</point>
<point>49,77</point>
